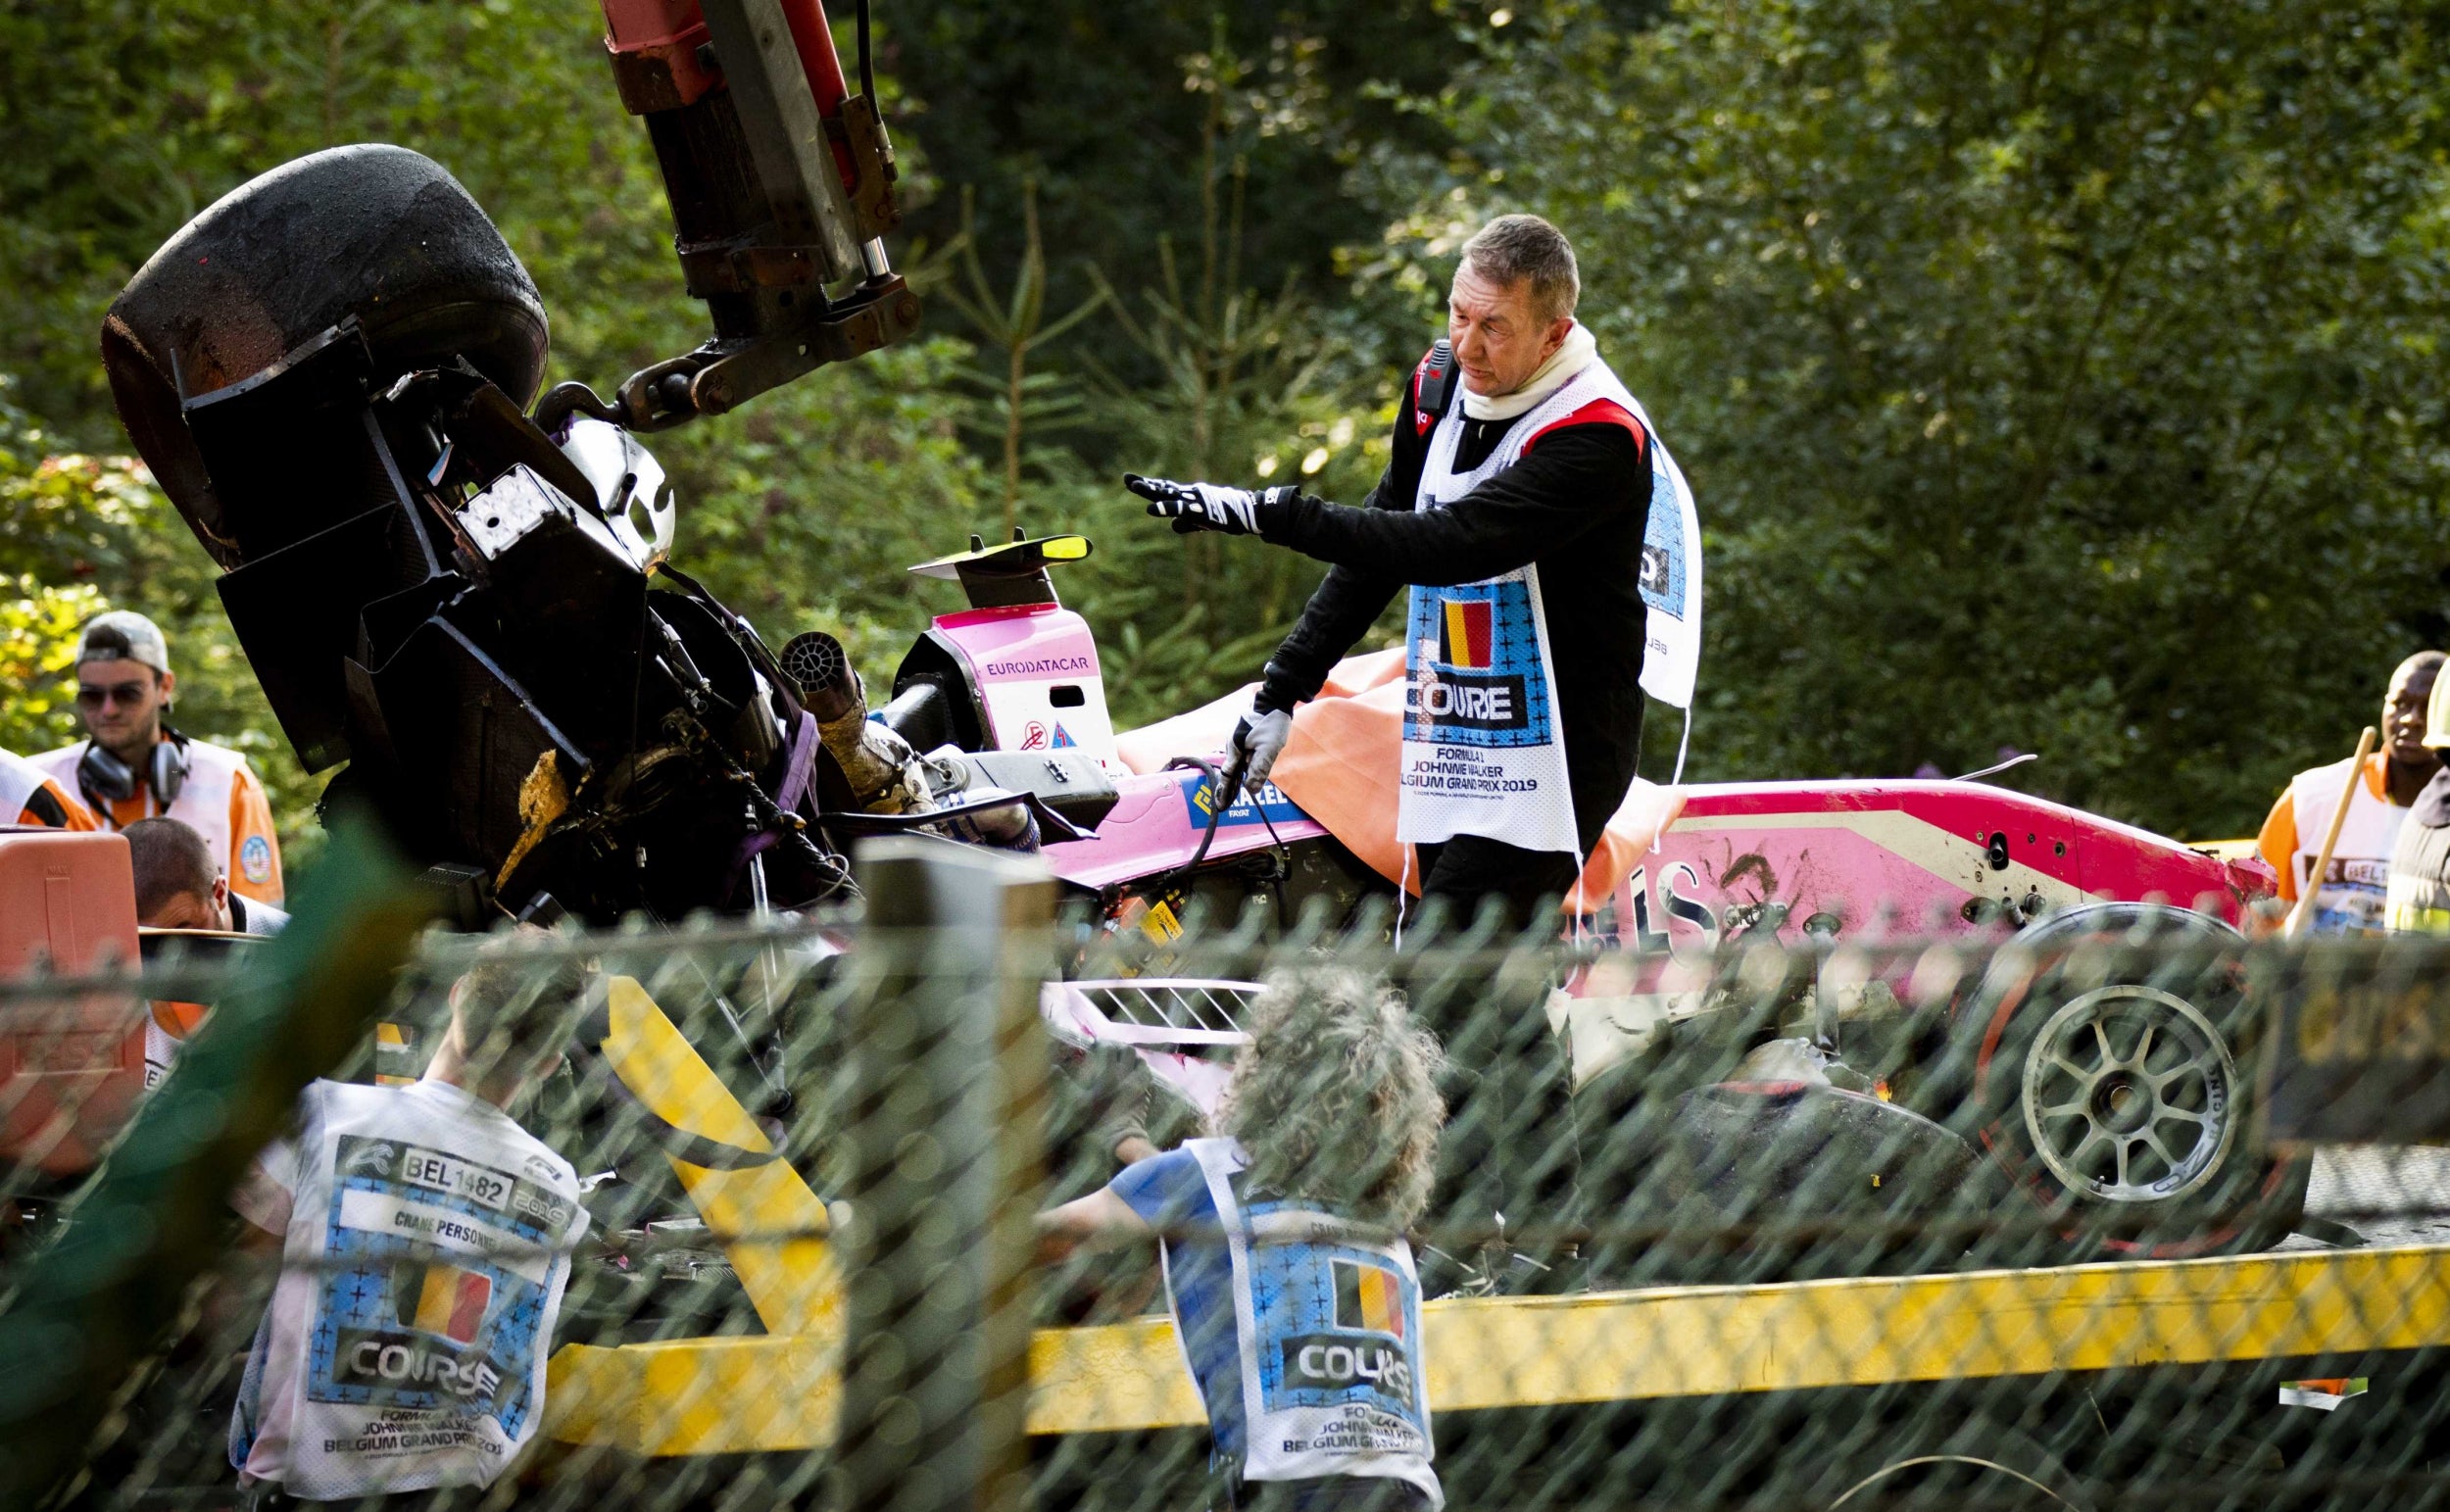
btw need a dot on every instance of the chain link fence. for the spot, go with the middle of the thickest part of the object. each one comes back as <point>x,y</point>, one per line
<point>2123,1211</point>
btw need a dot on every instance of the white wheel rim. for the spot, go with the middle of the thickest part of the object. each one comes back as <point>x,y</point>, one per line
<point>2131,1095</point>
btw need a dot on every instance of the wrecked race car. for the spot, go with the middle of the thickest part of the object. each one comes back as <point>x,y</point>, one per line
<point>471,604</point>
<point>2111,1094</point>
<point>329,372</point>
<point>2109,1080</point>
<point>2140,1158</point>
<point>452,586</point>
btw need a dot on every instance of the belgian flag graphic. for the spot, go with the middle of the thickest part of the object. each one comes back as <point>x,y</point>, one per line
<point>443,1299</point>
<point>1466,637</point>
<point>1369,1296</point>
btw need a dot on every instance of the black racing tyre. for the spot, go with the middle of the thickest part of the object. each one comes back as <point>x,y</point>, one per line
<point>1786,1181</point>
<point>2114,1084</point>
<point>372,231</point>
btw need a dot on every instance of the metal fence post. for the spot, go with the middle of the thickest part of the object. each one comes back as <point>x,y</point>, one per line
<point>942,1128</point>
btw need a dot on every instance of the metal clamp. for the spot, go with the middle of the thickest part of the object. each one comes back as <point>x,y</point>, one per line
<point>722,375</point>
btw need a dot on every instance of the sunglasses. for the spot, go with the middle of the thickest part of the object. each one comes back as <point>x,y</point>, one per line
<point>122,693</point>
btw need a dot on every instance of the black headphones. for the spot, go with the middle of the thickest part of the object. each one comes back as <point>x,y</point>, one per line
<point>106,777</point>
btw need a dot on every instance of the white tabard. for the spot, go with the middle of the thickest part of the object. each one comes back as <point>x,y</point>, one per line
<point>427,1245</point>
<point>1327,1320</point>
<point>1484,752</point>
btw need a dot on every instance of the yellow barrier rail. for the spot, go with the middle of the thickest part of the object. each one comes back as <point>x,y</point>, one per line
<point>781,1392</point>
<point>722,1396</point>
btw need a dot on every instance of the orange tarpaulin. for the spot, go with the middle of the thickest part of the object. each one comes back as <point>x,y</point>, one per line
<point>1341,767</point>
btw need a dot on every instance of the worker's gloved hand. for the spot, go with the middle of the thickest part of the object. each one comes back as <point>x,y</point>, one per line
<point>1203,505</point>
<point>1263,735</point>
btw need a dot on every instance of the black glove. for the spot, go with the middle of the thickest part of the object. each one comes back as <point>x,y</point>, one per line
<point>1204,506</point>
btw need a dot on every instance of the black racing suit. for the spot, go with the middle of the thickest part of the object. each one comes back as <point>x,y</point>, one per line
<point>1574,505</point>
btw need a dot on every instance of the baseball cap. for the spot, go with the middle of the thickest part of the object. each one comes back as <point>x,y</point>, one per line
<point>123,635</point>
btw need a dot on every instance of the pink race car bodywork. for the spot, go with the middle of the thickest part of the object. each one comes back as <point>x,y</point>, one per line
<point>1852,859</point>
<point>1821,867</point>
<point>1039,688</point>
<point>1034,668</point>
<point>1846,857</point>
<point>1157,823</point>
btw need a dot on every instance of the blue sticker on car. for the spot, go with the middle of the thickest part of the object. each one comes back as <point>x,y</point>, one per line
<point>1199,800</point>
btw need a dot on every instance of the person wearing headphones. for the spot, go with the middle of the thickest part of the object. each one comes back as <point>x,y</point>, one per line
<point>134,766</point>
<point>30,798</point>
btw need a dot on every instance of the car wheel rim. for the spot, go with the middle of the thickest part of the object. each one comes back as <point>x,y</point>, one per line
<point>2131,1095</point>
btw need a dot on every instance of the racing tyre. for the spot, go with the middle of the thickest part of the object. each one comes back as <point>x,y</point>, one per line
<point>2115,1085</point>
<point>369,232</point>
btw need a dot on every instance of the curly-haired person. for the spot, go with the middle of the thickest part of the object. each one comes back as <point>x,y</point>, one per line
<point>1292,1285</point>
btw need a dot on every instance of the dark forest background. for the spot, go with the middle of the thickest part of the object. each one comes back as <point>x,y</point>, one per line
<point>2054,376</point>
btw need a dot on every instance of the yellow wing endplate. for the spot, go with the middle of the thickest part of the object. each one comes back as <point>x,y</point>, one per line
<point>1012,559</point>
<point>765,1217</point>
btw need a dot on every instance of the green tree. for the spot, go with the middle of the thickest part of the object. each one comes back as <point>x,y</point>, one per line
<point>2055,376</point>
<point>80,534</point>
<point>1109,110</point>
<point>1019,402</point>
<point>1211,378</point>
<point>1247,394</point>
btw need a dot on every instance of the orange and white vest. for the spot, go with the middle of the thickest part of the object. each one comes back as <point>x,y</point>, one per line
<point>21,779</point>
<point>2354,890</point>
<point>207,803</point>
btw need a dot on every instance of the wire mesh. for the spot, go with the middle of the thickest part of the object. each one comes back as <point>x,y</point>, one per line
<point>2100,1217</point>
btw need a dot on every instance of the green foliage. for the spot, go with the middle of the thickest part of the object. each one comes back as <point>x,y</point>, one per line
<point>1247,391</point>
<point>1019,401</point>
<point>1212,378</point>
<point>1113,111</point>
<point>2056,376</point>
<point>80,534</point>
<point>37,637</point>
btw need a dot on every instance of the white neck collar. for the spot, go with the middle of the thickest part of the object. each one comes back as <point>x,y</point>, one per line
<point>1559,370</point>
